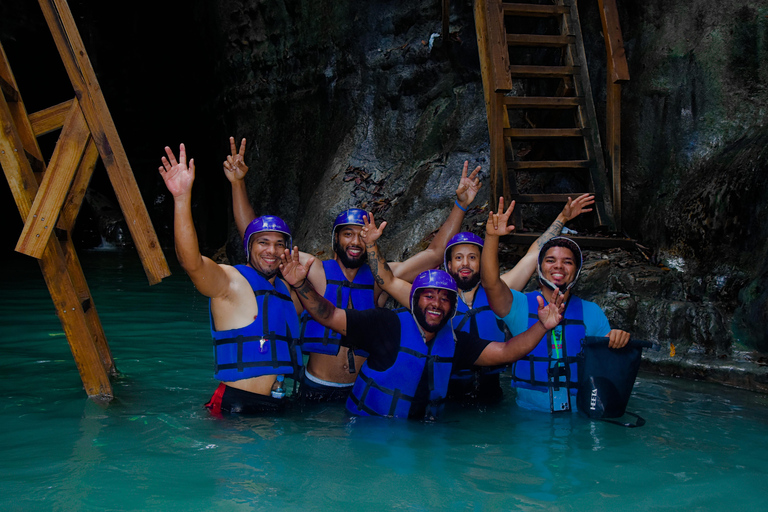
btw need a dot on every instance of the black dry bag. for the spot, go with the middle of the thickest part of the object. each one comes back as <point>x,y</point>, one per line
<point>606,378</point>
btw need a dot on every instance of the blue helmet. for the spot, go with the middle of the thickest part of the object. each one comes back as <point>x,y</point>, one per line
<point>465,237</point>
<point>435,279</point>
<point>262,224</point>
<point>352,216</point>
<point>560,241</point>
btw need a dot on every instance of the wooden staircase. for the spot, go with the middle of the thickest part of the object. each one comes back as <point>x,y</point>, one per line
<point>545,142</point>
<point>49,195</point>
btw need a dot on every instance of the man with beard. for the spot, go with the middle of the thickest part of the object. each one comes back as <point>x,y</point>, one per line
<point>473,315</point>
<point>412,353</point>
<point>547,378</point>
<point>346,280</point>
<point>254,321</point>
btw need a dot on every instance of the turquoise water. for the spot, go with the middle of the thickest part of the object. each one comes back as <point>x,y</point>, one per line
<point>155,448</point>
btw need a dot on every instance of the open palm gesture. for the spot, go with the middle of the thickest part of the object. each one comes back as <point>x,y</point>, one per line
<point>177,176</point>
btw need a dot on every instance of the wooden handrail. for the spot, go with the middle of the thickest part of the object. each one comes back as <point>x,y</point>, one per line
<point>614,42</point>
<point>617,74</point>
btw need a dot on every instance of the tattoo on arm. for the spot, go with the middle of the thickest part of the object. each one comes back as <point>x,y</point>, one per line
<point>555,229</point>
<point>317,305</point>
<point>373,262</point>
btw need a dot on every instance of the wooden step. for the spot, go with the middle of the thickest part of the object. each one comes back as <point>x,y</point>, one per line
<point>548,164</point>
<point>544,198</point>
<point>542,102</point>
<point>539,40</point>
<point>541,133</point>
<point>531,10</point>
<point>583,240</point>
<point>542,71</point>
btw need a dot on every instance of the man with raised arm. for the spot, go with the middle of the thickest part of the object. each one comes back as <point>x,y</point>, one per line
<point>346,280</point>
<point>411,353</point>
<point>254,321</point>
<point>547,377</point>
<point>462,261</point>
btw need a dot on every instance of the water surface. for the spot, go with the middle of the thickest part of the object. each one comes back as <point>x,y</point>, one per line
<point>154,447</point>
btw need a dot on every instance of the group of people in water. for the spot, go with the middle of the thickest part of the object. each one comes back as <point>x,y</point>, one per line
<point>457,328</point>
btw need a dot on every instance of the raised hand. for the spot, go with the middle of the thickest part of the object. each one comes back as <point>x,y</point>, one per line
<point>234,166</point>
<point>497,222</point>
<point>468,186</point>
<point>550,315</point>
<point>574,208</point>
<point>292,270</point>
<point>177,176</point>
<point>370,233</point>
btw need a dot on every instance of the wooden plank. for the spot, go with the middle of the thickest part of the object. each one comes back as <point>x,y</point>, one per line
<point>50,119</point>
<point>545,198</point>
<point>539,40</point>
<point>549,164</point>
<point>79,187</point>
<point>541,133</point>
<point>80,285</point>
<point>39,224</point>
<point>613,142</point>
<point>69,309</point>
<point>497,46</point>
<point>99,119</point>
<point>65,298</point>
<point>541,71</point>
<point>13,160</point>
<point>19,113</point>
<point>532,10</point>
<point>544,102</point>
<point>614,42</point>
<point>446,32</point>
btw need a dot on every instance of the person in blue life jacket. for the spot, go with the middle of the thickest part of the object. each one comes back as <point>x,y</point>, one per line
<point>547,378</point>
<point>254,321</point>
<point>412,351</point>
<point>474,315</point>
<point>346,280</point>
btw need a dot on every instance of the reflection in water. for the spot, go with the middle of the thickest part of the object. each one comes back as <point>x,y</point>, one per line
<point>156,448</point>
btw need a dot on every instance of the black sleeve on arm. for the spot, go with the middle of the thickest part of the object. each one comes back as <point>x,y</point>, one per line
<point>377,331</point>
<point>468,349</point>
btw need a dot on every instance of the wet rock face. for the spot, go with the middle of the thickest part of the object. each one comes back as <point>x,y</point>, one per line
<point>352,104</point>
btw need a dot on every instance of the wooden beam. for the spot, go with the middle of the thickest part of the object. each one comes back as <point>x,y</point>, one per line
<point>533,10</point>
<point>39,224</point>
<point>102,127</point>
<point>614,42</point>
<point>66,300</point>
<point>539,40</point>
<point>50,119</point>
<point>497,46</point>
<point>79,187</point>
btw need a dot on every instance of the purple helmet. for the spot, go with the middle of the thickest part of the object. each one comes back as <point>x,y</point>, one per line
<point>262,224</point>
<point>352,216</point>
<point>465,237</point>
<point>434,279</point>
<point>561,241</point>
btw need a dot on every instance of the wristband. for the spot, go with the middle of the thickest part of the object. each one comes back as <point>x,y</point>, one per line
<point>460,207</point>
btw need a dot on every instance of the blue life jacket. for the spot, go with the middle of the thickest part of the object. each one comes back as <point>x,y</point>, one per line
<point>268,345</point>
<point>481,323</point>
<point>391,392</point>
<point>315,337</point>
<point>539,370</point>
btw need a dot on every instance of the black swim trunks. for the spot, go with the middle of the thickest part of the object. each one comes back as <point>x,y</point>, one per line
<point>232,400</point>
<point>313,390</point>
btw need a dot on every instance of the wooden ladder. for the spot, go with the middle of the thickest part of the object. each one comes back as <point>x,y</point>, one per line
<point>541,116</point>
<point>49,195</point>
